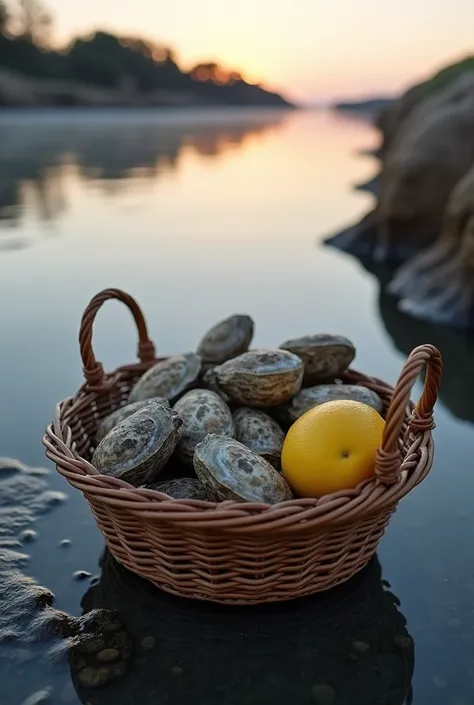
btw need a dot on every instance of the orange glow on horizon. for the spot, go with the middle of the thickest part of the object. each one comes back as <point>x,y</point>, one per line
<point>310,51</point>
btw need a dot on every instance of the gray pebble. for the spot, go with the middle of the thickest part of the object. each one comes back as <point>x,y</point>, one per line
<point>360,646</point>
<point>323,694</point>
<point>404,642</point>
<point>147,643</point>
<point>93,677</point>
<point>42,697</point>
<point>81,575</point>
<point>107,655</point>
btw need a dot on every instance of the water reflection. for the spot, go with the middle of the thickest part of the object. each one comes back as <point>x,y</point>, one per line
<point>347,646</point>
<point>456,345</point>
<point>38,154</point>
<point>457,348</point>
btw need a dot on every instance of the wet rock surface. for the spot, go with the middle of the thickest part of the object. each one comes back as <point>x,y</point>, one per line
<point>438,285</point>
<point>423,220</point>
<point>32,630</point>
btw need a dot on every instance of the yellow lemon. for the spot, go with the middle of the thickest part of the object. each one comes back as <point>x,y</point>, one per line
<point>331,447</point>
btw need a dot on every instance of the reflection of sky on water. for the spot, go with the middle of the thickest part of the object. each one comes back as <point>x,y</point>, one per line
<point>114,151</point>
<point>235,232</point>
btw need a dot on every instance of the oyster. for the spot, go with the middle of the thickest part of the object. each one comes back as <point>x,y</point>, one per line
<point>307,398</point>
<point>325,356</point>
<point>209,381</point>
<point>233,471</point>
<point>226,339</point>
<point>182,488</point>
<point>168,378</point>
<point>110,421</point>
<point>261,377</point>
<point>259,432</point>
<point>202,412</point>
<point>140,446</point>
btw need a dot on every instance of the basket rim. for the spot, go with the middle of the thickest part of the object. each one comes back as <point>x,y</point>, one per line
<point>296,515</point>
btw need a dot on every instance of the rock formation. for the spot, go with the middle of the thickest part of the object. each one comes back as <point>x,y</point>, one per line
<point>432,152</point>
<point>438,284</point>
<point>32,630</point>
<point>392,116</point>
<point>429,152</point>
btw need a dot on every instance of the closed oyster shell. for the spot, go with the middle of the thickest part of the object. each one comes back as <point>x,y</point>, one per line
<point>168,378</point>
<point>227,339</point>
<point>259,432</point>
<point>139,447</point>
<point>209,381</point>
<point>202,412</point>
<point>233,471</point>
<point>182,488</point>
<point>110,421</point>
<point>310,397</point>
<point>325,356</point>
<point>261,378</point>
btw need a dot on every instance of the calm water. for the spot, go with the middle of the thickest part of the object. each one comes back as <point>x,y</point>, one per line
<point>200,215</point>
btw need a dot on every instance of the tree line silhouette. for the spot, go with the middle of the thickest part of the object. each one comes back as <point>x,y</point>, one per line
<point>132,65</point>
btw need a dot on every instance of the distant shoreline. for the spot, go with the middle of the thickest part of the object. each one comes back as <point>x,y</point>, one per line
<point>370,106</point>
<point>20,91</point>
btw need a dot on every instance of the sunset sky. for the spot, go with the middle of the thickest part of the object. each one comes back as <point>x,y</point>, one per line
<point>312,50</point>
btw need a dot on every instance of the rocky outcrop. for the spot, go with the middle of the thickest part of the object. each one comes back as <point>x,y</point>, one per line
<point>391,117</point>
<point>438,284</point>
<point>97,645</point>
<point>434,150</point>
<point>430,152</point>
<point>423,220</point>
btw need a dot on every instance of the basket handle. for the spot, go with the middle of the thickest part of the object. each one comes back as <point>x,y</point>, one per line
<point>389,460</point>
<point>92,369</point>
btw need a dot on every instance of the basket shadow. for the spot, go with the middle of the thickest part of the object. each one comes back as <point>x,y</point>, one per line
<point>349,645</point>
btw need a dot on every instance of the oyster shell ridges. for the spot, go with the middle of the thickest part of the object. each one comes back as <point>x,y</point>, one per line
<point>259,378</point>
<point>202,411</point>
<point>233,471</point>
<point>168,378</point>
<point>140,446</point>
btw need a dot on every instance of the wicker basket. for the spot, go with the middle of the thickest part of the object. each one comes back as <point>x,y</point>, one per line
<point>240,552</point>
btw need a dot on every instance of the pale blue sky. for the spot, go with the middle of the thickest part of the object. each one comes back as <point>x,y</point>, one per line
<point>312,49</point>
